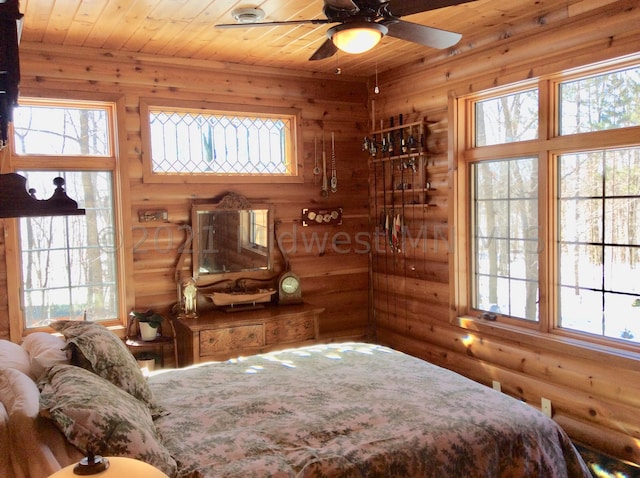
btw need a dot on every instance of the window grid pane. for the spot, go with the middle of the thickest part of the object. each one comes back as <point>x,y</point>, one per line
<point>68,262</point>
<point>507,119</point>
<point>602,102</point>
<point>61,130</point>
<point>208,143</point>
<point>599,243</point>
<point>505,237</point>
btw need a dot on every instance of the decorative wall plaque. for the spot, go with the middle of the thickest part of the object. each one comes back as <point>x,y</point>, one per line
<point>316,217</point>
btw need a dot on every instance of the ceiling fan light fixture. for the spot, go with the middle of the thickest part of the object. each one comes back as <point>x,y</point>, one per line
<point>247,15</point>
<point>357,37</point>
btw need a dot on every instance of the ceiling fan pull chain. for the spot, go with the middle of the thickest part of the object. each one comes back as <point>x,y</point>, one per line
<point>376,89</point>
<point>334,173</point>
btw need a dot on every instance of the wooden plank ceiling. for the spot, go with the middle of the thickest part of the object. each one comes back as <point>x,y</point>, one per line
<point>185,29</point>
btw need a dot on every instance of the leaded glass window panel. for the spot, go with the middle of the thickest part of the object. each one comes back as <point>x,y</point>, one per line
<point>221,143</point>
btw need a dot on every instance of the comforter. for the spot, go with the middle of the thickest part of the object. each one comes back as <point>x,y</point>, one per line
<point>351,410</point>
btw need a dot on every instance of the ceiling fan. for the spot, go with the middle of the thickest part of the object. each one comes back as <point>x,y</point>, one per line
<point>363,23</point>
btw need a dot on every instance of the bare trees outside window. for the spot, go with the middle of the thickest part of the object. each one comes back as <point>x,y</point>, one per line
<point>68,264</point>
<point>552,186</point>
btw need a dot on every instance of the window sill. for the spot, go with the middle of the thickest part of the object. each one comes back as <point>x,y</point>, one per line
<point>119,330</point>
<point>616,357</point>
<point>221,178</point>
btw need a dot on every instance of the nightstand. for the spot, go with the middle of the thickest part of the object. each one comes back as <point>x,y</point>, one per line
<point>135,344</point>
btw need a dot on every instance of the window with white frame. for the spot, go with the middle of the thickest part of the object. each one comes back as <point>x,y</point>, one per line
<point>549,218</point>
<point>68,265</point>
<point>202,144</point>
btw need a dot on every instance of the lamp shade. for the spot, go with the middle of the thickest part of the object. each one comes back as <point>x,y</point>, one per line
<point>357,37</point>
<point>119,467</point>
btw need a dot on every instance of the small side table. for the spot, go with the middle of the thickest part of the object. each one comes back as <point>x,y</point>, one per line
<point>135,342</point>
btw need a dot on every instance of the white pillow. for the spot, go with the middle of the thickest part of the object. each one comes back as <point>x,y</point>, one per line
<point>36,446</point>
<point>14,356</point>
<point>44,350</point>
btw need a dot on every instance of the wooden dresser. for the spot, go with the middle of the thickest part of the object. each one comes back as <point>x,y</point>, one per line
<point>220,335</point>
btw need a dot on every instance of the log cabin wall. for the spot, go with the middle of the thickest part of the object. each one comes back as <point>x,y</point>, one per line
<point>594,397</point>
<point>595,401</point>
<point>332,277</point>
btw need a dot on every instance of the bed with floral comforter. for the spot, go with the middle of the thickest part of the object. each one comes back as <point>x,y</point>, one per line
<point>351,410</point>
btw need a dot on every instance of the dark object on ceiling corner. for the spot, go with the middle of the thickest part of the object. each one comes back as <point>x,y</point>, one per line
<point>9,65</point>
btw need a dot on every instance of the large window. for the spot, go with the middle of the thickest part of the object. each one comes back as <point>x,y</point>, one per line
<point>68,265</point>
<point>203,143</point>
<point>548,221</point>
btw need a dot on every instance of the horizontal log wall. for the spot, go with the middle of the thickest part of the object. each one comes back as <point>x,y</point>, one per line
<point>332,277</point>
<point>595,401</point>
<point>595,397</point>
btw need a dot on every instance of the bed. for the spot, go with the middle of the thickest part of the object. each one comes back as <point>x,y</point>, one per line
<point>332,410</point>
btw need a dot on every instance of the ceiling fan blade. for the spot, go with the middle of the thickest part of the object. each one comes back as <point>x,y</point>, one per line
<point>422,34</point>
<point>317,21</point>
<point>400,8</point>
<point>341,4</point>
<point>326,50</point>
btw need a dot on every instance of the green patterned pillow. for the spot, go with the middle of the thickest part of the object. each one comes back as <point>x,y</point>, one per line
<point>100,351</point>
<point>94,414</point>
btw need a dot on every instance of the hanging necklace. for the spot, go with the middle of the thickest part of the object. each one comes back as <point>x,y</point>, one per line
<point>325,187</point>
<point>316,169</point>
<point>334,175</point>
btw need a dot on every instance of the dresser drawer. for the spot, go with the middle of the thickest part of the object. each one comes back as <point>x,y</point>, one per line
<point>220,335</point>
<point>290,330</point>
<point>231,338</point>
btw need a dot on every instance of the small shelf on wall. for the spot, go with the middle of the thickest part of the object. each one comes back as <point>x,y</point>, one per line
<point>408,206</point>
<point>407,191</point>
<point>399,157</point>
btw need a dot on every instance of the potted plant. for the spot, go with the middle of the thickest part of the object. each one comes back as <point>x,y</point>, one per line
<point>146,360</point>
<point>148,321</point>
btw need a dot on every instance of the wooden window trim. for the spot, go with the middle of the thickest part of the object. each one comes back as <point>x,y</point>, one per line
<point>544,333</point>
<point>124,262</point>
<point>148,176</point>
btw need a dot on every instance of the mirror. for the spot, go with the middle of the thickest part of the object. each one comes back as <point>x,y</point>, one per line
<point>231,236</point>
